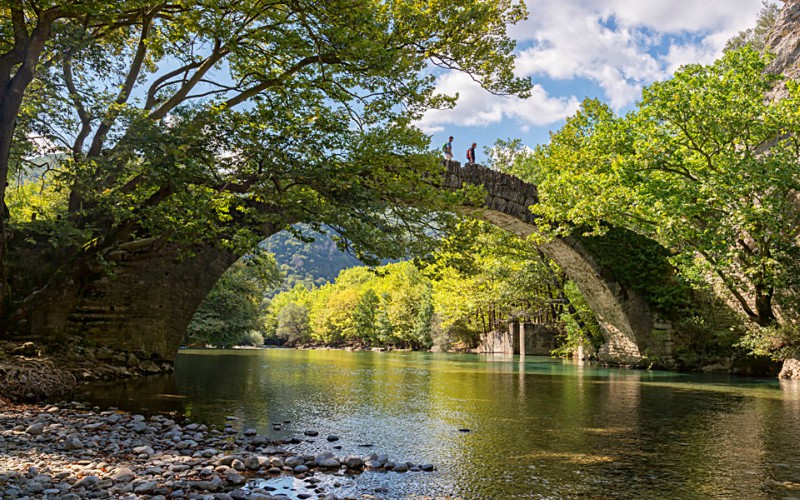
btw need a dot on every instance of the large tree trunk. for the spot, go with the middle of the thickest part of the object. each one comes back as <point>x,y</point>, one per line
<point>17,70</point>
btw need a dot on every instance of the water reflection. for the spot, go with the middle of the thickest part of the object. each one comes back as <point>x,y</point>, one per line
<point>538,427</point>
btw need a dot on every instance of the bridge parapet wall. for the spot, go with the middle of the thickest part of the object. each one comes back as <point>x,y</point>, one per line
<point>504,193</point>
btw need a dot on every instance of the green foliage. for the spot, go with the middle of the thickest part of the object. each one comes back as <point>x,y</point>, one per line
<point>704,167</point>
<point>292,323</point>
<point>509,156</point>
<point>580,327</point>
<point>643,265</point>
<point>756,37</point>
<point>775,341</point>
<point>230,314</point>
<point>223,122</point>
<point>480,278</point>
<point>365,316</point>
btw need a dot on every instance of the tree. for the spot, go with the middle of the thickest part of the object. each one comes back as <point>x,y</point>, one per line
<point>756,37</point>
<point>229,121</point>
<point>231,311</point>
<point>293,324</point>
<point>365,316</point>
<point>705,166</point>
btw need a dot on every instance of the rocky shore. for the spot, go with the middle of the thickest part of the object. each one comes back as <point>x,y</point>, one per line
<point>32,371</point>
<point>68,451</point>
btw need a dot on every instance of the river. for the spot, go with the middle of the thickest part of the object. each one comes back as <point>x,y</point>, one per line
<point>495,427</point>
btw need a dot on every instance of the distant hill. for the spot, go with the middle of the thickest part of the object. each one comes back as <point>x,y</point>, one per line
<point>310,263</point>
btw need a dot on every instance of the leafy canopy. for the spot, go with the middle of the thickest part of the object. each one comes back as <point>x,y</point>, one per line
<point>705,166</point>
<point>223,121</point>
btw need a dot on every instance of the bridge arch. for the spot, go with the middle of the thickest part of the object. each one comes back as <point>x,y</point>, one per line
<point>626,319</point>
<point>155,288</point>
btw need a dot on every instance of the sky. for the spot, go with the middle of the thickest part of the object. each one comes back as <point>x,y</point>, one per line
<point>578,49</point>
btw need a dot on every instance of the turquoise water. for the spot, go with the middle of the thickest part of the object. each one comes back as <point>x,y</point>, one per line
<point>540,429</point>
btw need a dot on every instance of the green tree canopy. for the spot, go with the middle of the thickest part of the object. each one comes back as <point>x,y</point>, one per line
<point>705,166</point>
<point>201,120</point>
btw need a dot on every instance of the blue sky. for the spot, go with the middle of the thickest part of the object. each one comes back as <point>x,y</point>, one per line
<point>574,49</point>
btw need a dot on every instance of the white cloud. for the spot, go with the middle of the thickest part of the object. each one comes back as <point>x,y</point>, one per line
<point>608,49</point>
<point>615,43</point>
<point>477,107</point>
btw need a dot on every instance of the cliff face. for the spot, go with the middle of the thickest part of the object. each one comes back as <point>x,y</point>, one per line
<point>784,42</point>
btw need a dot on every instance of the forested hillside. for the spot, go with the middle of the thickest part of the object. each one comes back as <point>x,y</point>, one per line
<point>307,257</point>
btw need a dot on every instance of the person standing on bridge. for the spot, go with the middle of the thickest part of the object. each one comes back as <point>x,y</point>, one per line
<point>447,149</point>
<point>471,154</point>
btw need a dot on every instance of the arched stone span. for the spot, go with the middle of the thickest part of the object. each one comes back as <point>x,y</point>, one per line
<point>625,317</point>
<point>148,300</point>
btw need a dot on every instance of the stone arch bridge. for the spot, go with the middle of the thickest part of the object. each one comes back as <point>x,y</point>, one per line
<point>153,294</point>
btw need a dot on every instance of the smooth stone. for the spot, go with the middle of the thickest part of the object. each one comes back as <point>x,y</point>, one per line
<point>123,475</point>
<point>311,432</point>
<point>86,482</point>
<point>332,438</point>
<point>329,463</point>
<point>143,450</point>
<point>293,461</point>
<point>235,479</point>
<point>139,427</point>
<point>146,487</point>
<point>228,459</point>
<point>73,443</point>
<point>238,494</point>
<point>36,429</point>
<point>353,462</point>
<point>300,469</point>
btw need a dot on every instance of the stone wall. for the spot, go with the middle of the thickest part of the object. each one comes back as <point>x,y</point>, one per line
<point>148,300</point>
<point>496,342</point>
<point>540,340</point>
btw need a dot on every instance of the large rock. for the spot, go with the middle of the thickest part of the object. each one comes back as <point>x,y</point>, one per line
<point>790,370</point>
<point>784,42</point>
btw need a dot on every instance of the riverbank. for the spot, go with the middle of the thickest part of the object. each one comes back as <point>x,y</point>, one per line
<point>31,372</point>
<point>71,452</point>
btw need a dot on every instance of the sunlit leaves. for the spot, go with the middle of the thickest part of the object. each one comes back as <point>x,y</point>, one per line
<point>705,166</point>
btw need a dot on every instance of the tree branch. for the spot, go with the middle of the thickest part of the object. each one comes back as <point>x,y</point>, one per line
<point>86,122</point>
<point>329,58</point>
<point>127,87</point>
<point>216,55</point>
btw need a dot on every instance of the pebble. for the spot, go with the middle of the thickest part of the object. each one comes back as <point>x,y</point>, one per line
<point>111,454</point>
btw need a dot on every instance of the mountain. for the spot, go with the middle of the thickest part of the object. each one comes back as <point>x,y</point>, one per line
<point>312,263</point>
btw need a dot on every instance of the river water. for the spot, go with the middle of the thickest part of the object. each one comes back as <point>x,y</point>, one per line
<point>543,428</point>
